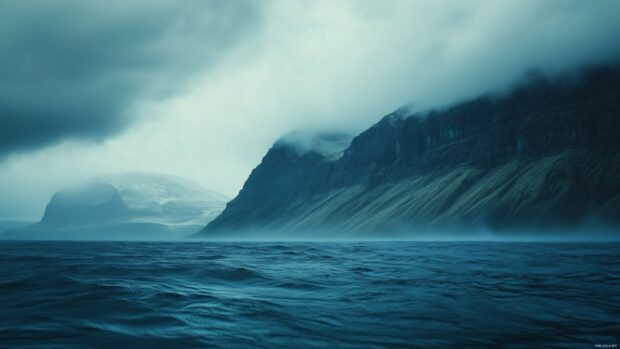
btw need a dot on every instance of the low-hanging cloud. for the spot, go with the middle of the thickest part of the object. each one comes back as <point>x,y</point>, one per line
<point>72,69</point>
<point>245,73</point>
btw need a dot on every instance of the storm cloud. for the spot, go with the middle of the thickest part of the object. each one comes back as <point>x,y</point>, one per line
<point>202,89</point>
<point>72,69</point>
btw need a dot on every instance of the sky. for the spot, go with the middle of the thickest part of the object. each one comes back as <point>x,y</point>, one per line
<point>202,89</point>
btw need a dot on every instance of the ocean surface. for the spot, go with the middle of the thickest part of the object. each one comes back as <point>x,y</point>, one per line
<point>309,295</point>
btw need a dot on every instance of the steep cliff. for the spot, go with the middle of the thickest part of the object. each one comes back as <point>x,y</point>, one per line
<point>544,154</point>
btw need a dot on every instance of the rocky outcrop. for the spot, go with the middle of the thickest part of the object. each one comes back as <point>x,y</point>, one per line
<point>544,154</point>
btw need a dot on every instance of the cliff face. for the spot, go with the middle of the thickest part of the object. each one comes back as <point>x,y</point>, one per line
<point>544,154</point>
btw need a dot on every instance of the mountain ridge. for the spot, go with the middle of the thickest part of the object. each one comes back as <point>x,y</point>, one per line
<point>515,160</point>
<point>129,206</point>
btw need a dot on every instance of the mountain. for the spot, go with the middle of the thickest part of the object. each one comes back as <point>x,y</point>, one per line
<point>94,202</point>
<point>543,155</point>
<point>166,199</point>
<point>127,206</point>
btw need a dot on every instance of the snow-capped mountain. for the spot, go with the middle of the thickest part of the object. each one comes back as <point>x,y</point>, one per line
<point>167,199</point>
<point>126,206</point>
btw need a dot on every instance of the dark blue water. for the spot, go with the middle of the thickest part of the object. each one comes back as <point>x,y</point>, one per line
<point>308,295</point>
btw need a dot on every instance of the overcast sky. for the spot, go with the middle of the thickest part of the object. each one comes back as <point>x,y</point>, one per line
<point>201,89</point>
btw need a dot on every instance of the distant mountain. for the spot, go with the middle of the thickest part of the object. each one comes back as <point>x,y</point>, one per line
<point>166,199</point>
<point>95,202</point>
<point>546,154</point>
<point>128,206</point>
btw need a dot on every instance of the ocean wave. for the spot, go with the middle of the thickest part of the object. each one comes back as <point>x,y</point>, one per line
<point>308,295</point>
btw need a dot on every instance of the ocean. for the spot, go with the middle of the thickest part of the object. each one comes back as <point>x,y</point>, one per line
<point>309,295</point>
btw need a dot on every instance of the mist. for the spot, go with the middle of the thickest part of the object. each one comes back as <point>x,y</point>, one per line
<point>209,105</point>
<point>591,231</point>
<point>309,173</point>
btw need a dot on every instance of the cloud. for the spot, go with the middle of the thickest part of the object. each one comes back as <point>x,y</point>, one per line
<point>73,69</point>
<point>203,89</point>
<point>342,65</point>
